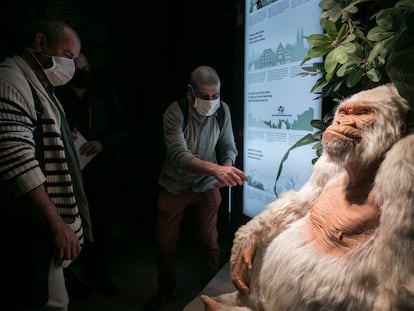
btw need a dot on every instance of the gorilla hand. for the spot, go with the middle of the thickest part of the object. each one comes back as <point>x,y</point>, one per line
<point>210,304</point>
<point>242,265</point>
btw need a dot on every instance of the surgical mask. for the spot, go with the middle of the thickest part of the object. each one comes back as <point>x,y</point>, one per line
<point>61,71</point>
<point>206,107</point>
<point>81,79</point>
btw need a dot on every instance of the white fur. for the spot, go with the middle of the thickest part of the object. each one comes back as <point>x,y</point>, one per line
<point>290,275</point>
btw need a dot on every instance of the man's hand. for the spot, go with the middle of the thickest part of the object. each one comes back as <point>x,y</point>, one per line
<point>229,176</point>
<point>240,270</point>
<point>66,243</point>
<point>74,133</point>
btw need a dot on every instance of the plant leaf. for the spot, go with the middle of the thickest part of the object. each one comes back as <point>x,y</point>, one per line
<point>318,40</point>
<point>311,69</point>
<point>330,61</point>
<point>379,48</point>
<point>374,75</point>
<point>347,47</point>
<point>318,52</point>
<point>349,38</point>
<point>330,29</point>
<point>328,4</point>
<point>378,34</point>
<point>306,140</point>
<point>354,77</point>
<point>341,70</point>
<point>385,20</point>
<point>318,124</point>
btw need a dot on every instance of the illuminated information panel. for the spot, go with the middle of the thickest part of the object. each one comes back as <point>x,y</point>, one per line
<point>278,104</point>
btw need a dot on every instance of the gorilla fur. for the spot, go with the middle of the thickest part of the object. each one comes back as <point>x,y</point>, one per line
<point>290,272</point>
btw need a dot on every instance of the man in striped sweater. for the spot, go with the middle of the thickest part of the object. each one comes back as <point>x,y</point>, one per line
<point>40,178</point>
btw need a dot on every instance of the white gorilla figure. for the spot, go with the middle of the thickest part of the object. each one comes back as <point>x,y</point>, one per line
<point>345,241</point>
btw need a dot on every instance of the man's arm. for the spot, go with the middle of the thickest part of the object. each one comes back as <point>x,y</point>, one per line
<point>20,173</point>
<point>63,237</point>
<point>228,176</point>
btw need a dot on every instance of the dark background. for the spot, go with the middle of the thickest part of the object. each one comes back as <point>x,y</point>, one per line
<point>151,47</point>
<point>148,49</point>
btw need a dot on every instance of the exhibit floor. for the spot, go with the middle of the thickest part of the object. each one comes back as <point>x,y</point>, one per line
<point>133,269</point>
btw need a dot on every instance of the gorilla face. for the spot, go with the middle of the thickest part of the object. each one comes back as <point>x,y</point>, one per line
<point>350,132</point>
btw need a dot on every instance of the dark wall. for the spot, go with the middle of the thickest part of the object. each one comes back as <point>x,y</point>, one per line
<point>148,49</point>
<point>158,41</point>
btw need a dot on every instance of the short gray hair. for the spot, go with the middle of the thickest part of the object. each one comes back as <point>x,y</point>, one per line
<point>51,28</point>
<point>204,75</point>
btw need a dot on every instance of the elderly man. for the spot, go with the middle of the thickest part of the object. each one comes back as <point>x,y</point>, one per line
<point>41,189</point>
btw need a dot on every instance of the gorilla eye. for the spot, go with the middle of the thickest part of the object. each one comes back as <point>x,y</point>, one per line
<point>367,111</point>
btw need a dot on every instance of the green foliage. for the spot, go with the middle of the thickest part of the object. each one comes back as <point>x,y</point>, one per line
<point>354,52</point>
<point>358,51</point>
<point>316,137</point>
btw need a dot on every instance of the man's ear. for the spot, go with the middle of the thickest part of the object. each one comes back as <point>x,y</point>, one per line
<point>39,42</point>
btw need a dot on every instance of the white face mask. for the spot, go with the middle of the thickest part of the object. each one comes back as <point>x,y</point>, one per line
<point>61,71</point>
<point>206,107</point>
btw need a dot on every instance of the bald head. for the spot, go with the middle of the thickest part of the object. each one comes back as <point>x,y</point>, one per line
<point>204,75</point>
<point>51,35</point>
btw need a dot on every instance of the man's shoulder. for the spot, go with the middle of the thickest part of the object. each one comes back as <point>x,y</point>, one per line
<point>224,106</point>
<point>9,61</point>
<point>10,70</point>
<point>15,76</point>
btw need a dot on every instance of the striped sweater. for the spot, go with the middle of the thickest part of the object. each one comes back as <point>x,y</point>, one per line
<point>19,170</point>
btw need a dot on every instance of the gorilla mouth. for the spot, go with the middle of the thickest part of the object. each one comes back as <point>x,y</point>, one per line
<point>344,132</point>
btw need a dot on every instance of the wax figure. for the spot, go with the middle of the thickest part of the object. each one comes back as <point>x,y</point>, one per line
<point>344,241</point>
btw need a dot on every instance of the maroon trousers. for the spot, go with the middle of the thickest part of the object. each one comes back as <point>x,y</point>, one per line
<point>171,208</point>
